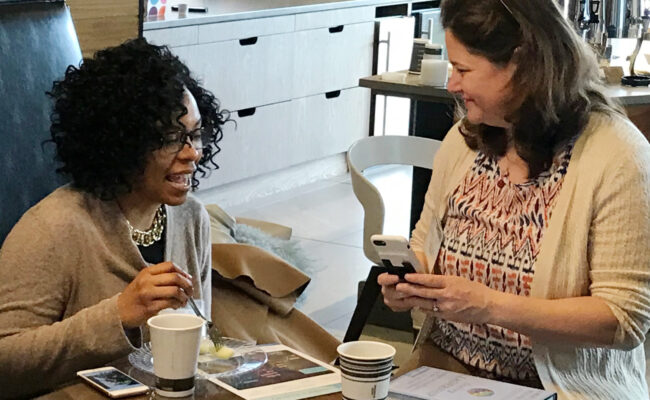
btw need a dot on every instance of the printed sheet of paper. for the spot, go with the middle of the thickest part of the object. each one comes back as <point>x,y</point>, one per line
<point>436,384</point>
<point>288,374</point>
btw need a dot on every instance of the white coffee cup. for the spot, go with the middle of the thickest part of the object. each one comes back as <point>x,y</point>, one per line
<point>366,368</point>
<point>187,309</point>
<point>175,341</point>
<point>182,10</point>
<point>434,73</point>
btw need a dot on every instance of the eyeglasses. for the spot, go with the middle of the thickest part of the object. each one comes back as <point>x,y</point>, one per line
<point>173,142</point>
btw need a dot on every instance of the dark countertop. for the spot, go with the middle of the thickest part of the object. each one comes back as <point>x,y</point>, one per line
<point>408,85</point>
<point>231,10</point>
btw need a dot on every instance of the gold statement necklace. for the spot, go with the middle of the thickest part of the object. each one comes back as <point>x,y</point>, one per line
<point>154,233</point>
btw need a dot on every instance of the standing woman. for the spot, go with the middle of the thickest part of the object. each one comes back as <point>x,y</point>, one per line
<point>84,269</point>
<point>536,225</point>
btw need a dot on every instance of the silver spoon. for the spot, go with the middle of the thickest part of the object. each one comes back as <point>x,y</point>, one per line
<point>213,331</point>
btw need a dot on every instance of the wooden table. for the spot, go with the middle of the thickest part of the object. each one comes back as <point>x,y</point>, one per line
<point>204,389</point>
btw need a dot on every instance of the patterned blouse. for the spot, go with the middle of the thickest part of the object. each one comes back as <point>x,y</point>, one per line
<point>492,234</point>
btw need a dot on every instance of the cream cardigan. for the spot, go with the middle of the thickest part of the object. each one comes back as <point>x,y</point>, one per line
<point>597,243</point>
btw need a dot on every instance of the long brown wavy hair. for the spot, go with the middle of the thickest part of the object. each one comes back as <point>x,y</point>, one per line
<point>555,85</point>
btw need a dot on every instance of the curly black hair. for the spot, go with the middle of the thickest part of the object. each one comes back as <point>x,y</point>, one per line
<point>111,112</point>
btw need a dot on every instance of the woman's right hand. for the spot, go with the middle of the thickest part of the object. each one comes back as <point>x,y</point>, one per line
<point>392,298</point>
<point>155,288</point>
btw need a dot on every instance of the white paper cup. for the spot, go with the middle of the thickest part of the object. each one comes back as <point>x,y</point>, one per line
<point>186,309</point>
<point>182,10</point>
<point>434,73</point>
<point>175,340</point>
<point>365,369</point>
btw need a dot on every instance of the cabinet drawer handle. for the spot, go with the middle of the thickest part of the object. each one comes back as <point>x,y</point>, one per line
<point>246,112</point>
<point>333,94</point>
<point>248,41</point>
<point>336,29</point>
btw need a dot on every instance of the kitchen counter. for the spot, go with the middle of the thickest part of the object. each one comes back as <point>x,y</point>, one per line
<point>232,10</point>
<point>629,96</point>
<point>408,85</point>
<point>635,100</point>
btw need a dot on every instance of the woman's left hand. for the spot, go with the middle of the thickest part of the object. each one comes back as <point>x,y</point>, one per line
<point>450,297</point>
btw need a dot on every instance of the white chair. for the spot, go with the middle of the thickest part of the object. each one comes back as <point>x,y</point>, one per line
<point>363,154</point>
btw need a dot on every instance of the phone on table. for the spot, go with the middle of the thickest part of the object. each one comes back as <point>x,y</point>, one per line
<point>396,254</point>
<point>112,382</point>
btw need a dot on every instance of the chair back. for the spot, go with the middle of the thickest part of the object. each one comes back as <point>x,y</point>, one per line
<point>37,43</point>
<point>383,150</point>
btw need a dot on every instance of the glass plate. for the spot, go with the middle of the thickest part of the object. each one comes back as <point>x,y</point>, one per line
<point>247,357</point>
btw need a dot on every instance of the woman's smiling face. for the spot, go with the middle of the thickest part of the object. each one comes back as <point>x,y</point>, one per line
<point>483,85</point>
<point>167,175</point>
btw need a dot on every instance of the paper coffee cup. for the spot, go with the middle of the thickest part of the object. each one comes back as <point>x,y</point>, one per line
<point>366,368</point>
<point>182,10</point>
<point>175,341</point>
<point>434,73</point>
<point>186,309</point>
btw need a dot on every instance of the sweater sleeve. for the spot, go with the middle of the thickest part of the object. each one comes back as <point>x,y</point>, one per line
<point>206,262</point>
<point>442,163</point>
<point>39,348</point>
<point>619,245</point>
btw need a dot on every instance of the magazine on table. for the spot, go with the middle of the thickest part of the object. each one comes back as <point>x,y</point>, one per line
<point>437,384</point>
<point>288,374</point>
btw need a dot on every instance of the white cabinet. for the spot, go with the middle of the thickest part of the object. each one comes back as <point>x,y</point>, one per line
<point>258,141</point>
<point>277,136</point>
<point>173,37</point>
<point>326,19</point>
<point>331,122</point>
<point>290,81</point>
<point>332,58</point>
<point>187,55</point>
<point>248,72</point>
<point>245,28</point>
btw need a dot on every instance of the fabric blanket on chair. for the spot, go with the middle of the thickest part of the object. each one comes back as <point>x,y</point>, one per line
<point>288,250</point>
<point>254,292</point>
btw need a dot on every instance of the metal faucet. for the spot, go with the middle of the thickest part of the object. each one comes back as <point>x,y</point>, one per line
<point>597,21</point>
<point>644,35</point>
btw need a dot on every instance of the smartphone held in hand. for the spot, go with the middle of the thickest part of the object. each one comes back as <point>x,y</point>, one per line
<point>112,382</point>
<point>396,254</point>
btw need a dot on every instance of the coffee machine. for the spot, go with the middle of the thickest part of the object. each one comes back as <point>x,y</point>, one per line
<point>598,21</point>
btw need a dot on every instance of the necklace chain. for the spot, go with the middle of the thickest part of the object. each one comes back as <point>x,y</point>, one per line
<point>154,233</point>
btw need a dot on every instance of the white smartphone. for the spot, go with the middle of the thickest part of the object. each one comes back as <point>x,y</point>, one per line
<point>112,382</point>
<point>396,254</point>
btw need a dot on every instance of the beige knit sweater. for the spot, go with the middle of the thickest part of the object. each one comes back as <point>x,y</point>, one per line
<point>61,269</point>
<point>597,243</point>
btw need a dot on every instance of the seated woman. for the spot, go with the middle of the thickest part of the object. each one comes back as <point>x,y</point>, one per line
<point>536,223</point>
<point>84,269</point>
